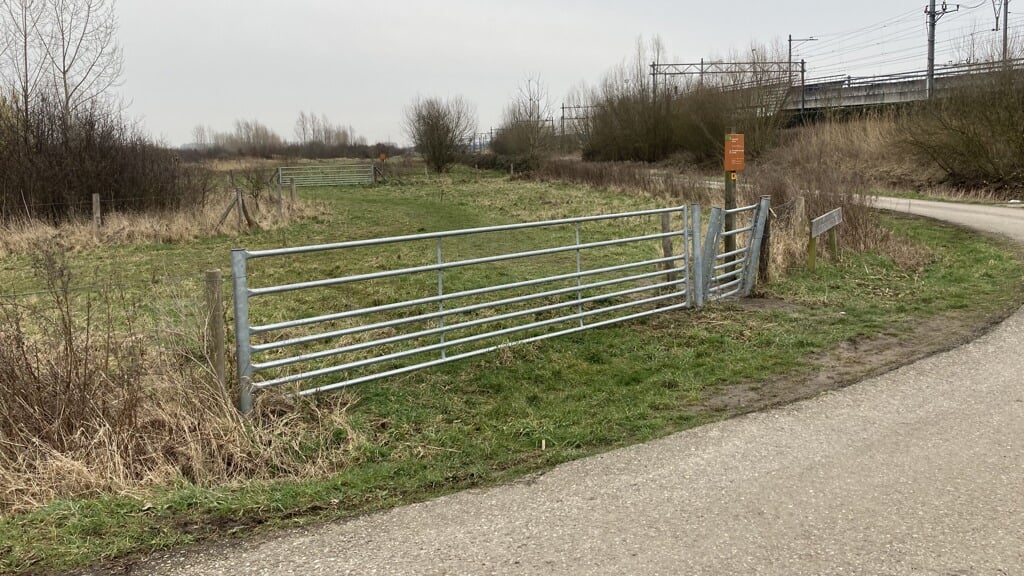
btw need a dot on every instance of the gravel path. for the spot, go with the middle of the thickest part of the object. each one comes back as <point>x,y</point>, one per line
<point>920,471</point>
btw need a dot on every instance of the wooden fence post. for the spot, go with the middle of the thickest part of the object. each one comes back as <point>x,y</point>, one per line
<point>97,216</point>
<point>293,190</point>
<point>238,204</point>
<point>812,253</point>
<point>280,203</point>
<point>215,346</point>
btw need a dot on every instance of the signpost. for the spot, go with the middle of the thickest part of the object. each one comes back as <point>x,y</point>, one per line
<point>734,162</point>
<point>824,223</point>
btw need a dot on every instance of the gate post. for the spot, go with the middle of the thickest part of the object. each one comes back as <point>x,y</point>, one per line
<point>243,351</point>
<point>714,236</point>
<point>696,259</point>
<point>754,249</point>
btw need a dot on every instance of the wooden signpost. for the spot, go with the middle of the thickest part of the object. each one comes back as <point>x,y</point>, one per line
<point>734,162</point>
<point>824,223</point>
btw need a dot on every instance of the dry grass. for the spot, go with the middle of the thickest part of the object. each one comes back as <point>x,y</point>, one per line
<point>828,166</point>
<point>631,178</point>
<point>23,236</point>
<point>874,146</point>
<point>93,402</point>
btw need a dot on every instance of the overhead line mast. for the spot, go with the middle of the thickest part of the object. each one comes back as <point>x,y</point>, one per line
<point>933,18</point>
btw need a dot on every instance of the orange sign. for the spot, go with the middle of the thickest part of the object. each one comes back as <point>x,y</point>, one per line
<point>734,152</point>
<point>383,157</point>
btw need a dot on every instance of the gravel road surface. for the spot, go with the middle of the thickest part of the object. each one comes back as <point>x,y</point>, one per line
<point>920,471</point>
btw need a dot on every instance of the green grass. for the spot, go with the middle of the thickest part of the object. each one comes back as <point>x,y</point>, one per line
<point>485,421</point>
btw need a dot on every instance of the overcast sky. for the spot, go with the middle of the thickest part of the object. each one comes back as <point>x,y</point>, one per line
<point>209,62</point>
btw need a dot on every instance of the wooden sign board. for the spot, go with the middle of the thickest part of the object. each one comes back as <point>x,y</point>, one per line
<point>826,222</point>
<point>734,153</point>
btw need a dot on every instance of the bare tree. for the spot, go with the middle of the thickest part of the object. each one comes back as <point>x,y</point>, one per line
<point>527,129</point>
<point>200,137</point>
<point>21,68</point>
<point>81,51</point>
<point>440,129</point>
<point>302,128</point>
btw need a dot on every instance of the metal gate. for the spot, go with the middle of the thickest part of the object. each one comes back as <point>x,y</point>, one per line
<point>474,291</point>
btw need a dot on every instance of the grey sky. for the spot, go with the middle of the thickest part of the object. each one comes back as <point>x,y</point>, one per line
<point>209,62</point>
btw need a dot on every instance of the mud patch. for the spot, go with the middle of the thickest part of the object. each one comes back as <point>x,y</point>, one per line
<point>847,363</point>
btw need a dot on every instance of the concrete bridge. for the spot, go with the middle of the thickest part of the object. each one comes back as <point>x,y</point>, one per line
<point>891,89</point>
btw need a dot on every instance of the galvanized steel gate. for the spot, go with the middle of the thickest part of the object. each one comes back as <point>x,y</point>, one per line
<point>465,295</point>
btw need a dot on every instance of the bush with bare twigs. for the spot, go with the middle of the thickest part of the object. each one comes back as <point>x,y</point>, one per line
<point>975,133</point>
<point>97,397</point>
<point>440,129</point>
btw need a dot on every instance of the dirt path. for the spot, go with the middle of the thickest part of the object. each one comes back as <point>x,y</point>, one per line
<point>918,471</point>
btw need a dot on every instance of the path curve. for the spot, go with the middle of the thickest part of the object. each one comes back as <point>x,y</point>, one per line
<point>919,471</point>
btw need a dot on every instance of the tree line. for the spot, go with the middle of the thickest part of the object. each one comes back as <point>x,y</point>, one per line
<point>315,136</point>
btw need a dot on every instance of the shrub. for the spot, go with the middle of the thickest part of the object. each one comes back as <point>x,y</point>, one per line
<point>440,128</point>
<point>975,132</point>
<point>49,170</point>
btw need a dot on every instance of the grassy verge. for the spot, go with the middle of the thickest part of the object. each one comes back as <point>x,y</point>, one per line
<point>489,420</point>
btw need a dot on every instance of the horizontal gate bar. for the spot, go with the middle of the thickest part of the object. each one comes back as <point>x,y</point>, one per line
<point>481,351</point>
<point>451,233</point>
<point>455,264</point>
<point>453,327</point>
<point>454,295</point>
<point>462,310</point>
<point>460,341</point>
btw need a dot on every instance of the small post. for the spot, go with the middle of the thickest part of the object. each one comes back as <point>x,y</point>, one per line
<point>763,272</point>
<point>238,203</point>
<point>215,330</point>
<point>373,173</point>
<point>97,216</point>
<point>666,247</point>
<point>824,223</point>
<point>293,190</point>
<point>280,203</point>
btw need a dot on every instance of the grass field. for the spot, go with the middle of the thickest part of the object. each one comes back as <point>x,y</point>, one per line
<point>500,416</point>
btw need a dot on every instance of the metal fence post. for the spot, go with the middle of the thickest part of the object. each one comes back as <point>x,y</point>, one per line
<point>754,248</point>
<point>696,260</point>
<point>764,260</point>
<point>711,241</point>
<point>243,351</point>
<point>215,329</point>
